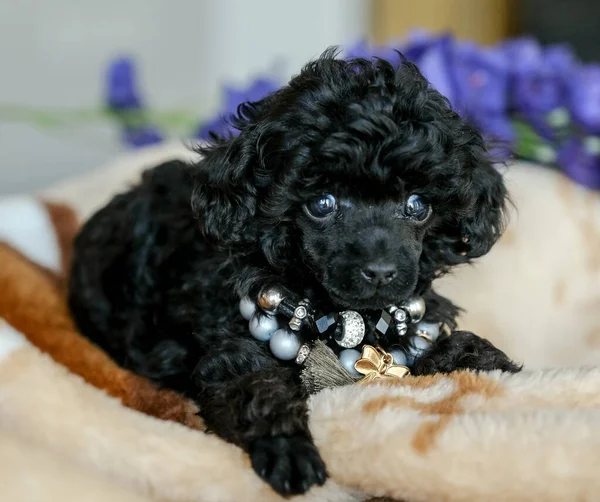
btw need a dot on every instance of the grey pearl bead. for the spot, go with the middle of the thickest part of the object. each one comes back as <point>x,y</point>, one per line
<point>285,344</point>
<point>415,306</point>
<point>418,345</point>
<point>262,327</point>
<point>399,357</point>
<point>247,308</point>
<point>348,357</point>
<point>430,329</point>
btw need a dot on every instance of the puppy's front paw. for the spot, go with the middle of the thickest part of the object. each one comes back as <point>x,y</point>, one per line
<point>291,465</point>
<point>463,350</point>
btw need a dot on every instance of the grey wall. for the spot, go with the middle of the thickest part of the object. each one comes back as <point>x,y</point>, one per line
<point>52,54</point>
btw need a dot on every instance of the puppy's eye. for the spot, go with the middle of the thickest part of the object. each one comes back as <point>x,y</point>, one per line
<point>417,208</point>
<point>321,207</point>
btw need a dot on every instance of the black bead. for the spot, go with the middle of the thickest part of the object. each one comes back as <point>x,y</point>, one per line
<point>287,307</point>
<point>326,323</point>
<point>384,322</point>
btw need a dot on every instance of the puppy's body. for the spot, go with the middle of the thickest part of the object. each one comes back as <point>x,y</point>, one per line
<point>148,289</point>
<point>409,193</point>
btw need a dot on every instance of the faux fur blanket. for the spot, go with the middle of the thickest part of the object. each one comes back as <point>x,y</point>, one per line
<point>73,426</point>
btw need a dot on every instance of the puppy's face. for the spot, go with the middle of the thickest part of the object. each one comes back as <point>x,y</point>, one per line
<point>358,178</point>
<point>365,249</point>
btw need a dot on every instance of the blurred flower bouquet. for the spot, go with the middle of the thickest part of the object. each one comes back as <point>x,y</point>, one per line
<point>534,103</point>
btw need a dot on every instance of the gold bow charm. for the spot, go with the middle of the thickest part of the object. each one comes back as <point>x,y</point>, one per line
<point>375,363</point>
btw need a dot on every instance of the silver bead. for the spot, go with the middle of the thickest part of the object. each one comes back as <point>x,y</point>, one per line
<point>353,329</point>
<point>303,353</point>
<point>418,345</point>
<point>299,315</point>
<point>415,307</point>
<point>247,308</point>
<point>401,328</point>
<point>285,344</point>
<point>399,357</point>
<point>262,327</point>
<point>348,358</point>
<point>399,315</point>
<point>269,299</point>
<point>428,330</point>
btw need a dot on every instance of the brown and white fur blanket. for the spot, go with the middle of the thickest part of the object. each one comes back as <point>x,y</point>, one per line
<point>73,426</point>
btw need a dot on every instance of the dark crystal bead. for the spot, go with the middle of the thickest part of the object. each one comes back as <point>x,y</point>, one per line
<point>384,322</point>
<point>286,307</point>
<point>326,323</point>
<point>339,331</point>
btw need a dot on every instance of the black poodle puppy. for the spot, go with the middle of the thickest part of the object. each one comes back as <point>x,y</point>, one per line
<point>355,186</point>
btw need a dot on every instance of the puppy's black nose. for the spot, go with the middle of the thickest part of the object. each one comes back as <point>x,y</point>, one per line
<point>379,273</point>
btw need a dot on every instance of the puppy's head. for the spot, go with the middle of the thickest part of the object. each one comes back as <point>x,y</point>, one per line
<point>356,174</point>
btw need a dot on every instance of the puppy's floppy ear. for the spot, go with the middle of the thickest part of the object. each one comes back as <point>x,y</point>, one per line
<point>225,192</point>
<point>224,198</point>
<point>485,197</point>
<point>473,202</point>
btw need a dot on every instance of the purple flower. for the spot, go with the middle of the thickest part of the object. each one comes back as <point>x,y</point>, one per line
<point>121,85</point>
<point>580,163</point>
<point>539,80</point>
<point>535,95</point>
<point>143,136</point>
<point>560,58</point>
<point>480,80</point>
<point>430,53</point>
<point>584,98</point>
<point>519,53</point>
<point>258,89</point>
<point>497,127</point>
<point>219,125</point>
<point>122,97</point>
<point>418,43</point>
<point>434,56</point>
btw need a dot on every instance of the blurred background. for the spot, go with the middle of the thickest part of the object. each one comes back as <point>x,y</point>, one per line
<point>81,81</point>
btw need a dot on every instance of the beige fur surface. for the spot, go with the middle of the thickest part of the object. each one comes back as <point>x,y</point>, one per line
<point>35,474</point>
<point>533,436</point>
<point>537,293</point>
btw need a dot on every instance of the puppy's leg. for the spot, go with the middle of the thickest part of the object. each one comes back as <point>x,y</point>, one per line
<point>462,350</point>
<point>247,398</point>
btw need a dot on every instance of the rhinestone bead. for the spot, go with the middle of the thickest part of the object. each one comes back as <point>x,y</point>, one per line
<point>353,330</point>
<point>303,353</point>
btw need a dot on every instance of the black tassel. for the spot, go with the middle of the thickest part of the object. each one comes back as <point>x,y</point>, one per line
<point>323,370</point>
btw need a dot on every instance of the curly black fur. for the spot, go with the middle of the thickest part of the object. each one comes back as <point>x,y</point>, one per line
<point>157,273</point>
